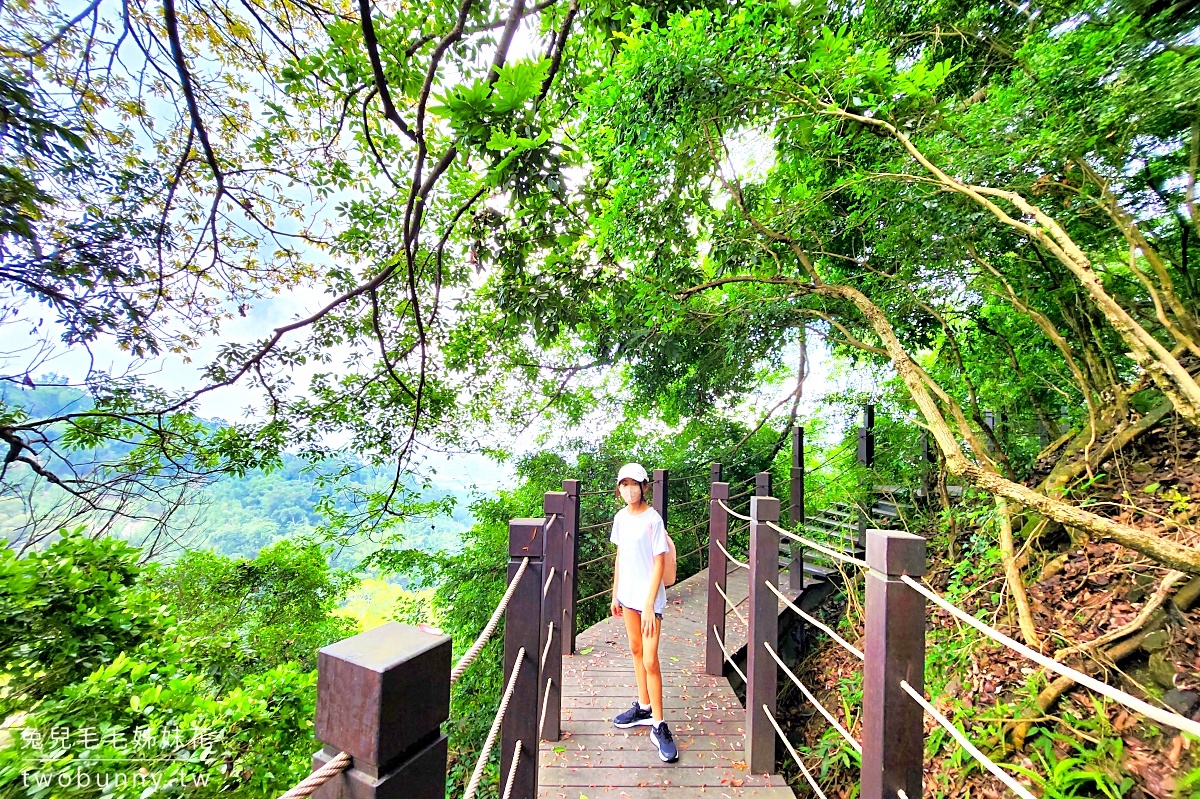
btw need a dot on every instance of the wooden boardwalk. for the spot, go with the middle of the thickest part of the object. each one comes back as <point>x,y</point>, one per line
<point>598,761</point>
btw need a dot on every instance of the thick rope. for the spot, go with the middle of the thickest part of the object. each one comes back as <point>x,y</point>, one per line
<point>730,558</point>
<point>546,649</point>
<point>983,759</point>
<point>808,542</point>
<point>813,700</point>
<point>728,657</point>
<point>482,640</point>
<point>804,769</point>
<point>324,774</point>
<point>549,579</point>
<point>545,706</point>
<point>1132,702</point>
<point>512,771</point>
<point>730,604</point>
<point>851,648</point>
<point>731,511</point>
<point>477,775</point>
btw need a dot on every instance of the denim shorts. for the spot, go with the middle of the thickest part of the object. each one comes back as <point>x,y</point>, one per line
<point>635,610</point>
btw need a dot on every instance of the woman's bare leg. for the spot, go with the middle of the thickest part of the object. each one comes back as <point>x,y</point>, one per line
<point>653,670</point>
<point>633,628</point>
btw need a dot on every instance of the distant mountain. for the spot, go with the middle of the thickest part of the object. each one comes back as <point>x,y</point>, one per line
<point>239,516</point>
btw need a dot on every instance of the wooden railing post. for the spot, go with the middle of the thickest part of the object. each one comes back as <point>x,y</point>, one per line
<point>762,485</point>
<point>796,509</point>
<point>661,488</point>
<point>570,586</point>
<point>866,437</point>
<point>381,698</point>
<point>893,732</point>
<point>764,629</point>
<point>866,457</point>
<point>554,505</point>
<point>523,629</point>
<point>928,463</point>
<point>718,532</point>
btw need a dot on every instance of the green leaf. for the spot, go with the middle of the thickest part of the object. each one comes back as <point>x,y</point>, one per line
<point>518,83</point>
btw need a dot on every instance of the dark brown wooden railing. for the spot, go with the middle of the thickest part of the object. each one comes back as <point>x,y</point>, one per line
<point>383,696</point>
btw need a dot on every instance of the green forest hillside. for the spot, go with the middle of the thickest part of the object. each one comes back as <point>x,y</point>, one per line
<point>234,515</point>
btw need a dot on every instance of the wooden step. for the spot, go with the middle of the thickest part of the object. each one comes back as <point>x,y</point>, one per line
<point>831,524</point>
<point>817,571</point>
<point>834,510</point>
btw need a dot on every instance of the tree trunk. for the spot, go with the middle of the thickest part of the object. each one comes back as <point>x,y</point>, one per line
<point>1012,575</point>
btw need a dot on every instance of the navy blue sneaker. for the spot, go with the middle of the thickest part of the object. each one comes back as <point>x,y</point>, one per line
<point>660,734</point>
<point>633,717</point>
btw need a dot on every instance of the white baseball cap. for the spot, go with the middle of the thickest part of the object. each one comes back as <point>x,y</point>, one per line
<point>633,471</point>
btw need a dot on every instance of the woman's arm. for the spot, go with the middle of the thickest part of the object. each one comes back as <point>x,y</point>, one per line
<point>656,572</point>
<point>614,606</point>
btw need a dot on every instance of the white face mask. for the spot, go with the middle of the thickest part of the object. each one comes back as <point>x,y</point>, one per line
<point>630,492</point>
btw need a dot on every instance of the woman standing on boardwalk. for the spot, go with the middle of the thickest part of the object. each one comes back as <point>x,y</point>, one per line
<point>639,597</point>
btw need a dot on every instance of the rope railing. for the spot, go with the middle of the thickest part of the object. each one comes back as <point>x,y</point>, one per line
<point>546,649</point>
<point>1160,715</point>
<point>549,579</point>
<point>729,603</point>
<point>593,596</point>
<point>728,657</point>
<point>741,494</point>
<point>512,772</point>
<point>792,750</point>
<point>605,556</point>
<point>732,512</point>
<point>849,647</point>
<point>595,526</point>
<point>972,750</point>
<point>808,542</point>
<point>730,558</point>
<point>490,741</point>
<point>832,458</point>
<point>545,707</point>
<point>339,763</point>
<point>687,504</point>
<point>813,701</point>
<point>837,480</point>
<point>687,477</point>
<point>469,657</point>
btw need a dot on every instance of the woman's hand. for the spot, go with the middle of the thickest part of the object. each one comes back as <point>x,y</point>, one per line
<point>614,607</point>
<point>649,622</point>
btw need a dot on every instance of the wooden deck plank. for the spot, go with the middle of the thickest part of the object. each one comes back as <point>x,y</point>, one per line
<point>596,760</point>
<point>669,792</point>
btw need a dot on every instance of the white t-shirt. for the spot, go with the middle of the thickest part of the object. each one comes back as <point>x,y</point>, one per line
<point>638,538</point>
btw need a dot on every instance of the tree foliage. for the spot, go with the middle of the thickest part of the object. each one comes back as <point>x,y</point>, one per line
<point>139,672</point>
